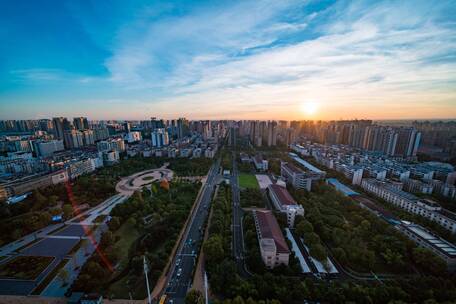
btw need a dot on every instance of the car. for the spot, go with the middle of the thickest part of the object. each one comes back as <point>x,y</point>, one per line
<point>179,272</point>
<point>178,261</point>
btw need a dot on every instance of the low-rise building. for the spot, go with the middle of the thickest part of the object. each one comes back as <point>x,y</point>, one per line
<point>341,187</point>
<point>417,186</point>
<point>426,239</point>
<point>273,247</point>
<point>260,163</point>
<point>295,176</point>
<point>409,202</point>
<point>80,167</point>
<point>31,183</point>
<point>284,202</point>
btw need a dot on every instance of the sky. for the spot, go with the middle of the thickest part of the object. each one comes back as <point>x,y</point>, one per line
<point>228,60</point>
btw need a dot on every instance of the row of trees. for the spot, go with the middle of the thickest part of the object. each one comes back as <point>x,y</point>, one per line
<point>251,197</point>
<point>190,167</point>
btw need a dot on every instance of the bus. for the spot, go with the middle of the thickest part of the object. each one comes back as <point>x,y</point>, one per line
<point>162,299</point>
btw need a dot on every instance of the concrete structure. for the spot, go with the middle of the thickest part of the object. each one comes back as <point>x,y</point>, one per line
<point>133,136</point>
<point>30,183</point>
<point>284,202</point>
<point>47,148</point>
<point>295,176</point>
<point>426,208</point>
<point>159,138</point>
<point>417,186</point>
<point>424,238</point>
<point>341,187</point>
<point>273,247</point>
<point>260,163</point>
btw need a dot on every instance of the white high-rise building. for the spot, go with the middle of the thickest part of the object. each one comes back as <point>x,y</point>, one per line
<point>160,138</point>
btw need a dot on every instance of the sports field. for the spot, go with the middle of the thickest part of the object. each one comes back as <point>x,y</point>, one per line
<point>248,181</point>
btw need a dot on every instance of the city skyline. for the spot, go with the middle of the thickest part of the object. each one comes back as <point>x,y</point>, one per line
<point>287,60</point>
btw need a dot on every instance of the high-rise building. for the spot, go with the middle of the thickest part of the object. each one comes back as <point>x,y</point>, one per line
<point>408,141</point>
<point>61,124</point>
<point>156,123</point>
<point>81,123</point>
<point>182,127</point>
<point>272,133</point>
<point>46,125</point>
<point>73,139</point>
<point>88,137</point>
<point>127,127</point>
<point>160,138</point>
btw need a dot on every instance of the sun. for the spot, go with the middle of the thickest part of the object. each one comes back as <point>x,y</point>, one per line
<point>309,108</point>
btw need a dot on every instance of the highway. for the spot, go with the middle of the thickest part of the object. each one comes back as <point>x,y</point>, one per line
<point>184,262</point>
<point>238,237</point>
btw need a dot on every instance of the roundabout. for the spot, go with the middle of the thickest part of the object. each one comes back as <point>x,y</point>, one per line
<point>128,185</point>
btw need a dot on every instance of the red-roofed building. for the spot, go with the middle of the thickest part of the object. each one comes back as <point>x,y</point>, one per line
<point>284,202</point>
<point>273,247</point>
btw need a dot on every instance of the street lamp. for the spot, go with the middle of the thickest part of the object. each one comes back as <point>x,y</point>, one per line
<point>146,270</point>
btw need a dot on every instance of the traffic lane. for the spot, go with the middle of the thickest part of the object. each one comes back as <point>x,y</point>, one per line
<point>182,282</point>
<point>194,234</point>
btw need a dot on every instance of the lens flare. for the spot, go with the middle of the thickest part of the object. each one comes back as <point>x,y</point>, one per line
<point>88,232</point>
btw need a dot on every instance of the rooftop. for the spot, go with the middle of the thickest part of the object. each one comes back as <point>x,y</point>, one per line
<point>341,187</point>
<point>440,244</point>
<point>282,194</point>
<point>292,168</point>
<point>269,229</point>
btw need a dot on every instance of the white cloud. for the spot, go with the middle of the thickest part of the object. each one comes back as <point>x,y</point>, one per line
<point>264,59</point>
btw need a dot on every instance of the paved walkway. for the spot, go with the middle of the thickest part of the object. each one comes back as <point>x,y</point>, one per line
<point>128,185</point>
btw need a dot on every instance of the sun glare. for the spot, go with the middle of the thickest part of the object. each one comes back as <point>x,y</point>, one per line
<point>309,108</point>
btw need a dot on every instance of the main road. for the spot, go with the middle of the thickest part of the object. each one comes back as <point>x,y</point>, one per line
<point>184,262</point>
<point>238,237</point>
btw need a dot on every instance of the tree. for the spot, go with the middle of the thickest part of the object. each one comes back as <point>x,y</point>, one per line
<point>194,297</point>
<point>213,249</point>
<point>303,228</point>
<point>312,238</point>
<point>107,239</point>
<point>52,200</point>
<point>318,251</point>
<point>67,211</point>
<point>114,223</point>
<point>428,261</point>
<point>64,276</point>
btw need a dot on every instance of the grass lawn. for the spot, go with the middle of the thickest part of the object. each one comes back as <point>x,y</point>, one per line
<point>248,181</point>
<point>127,234</point>
<point>24,267</point>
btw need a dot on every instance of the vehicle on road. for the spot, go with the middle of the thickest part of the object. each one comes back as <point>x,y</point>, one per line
<point>179,272</point>
<point>162,299</point>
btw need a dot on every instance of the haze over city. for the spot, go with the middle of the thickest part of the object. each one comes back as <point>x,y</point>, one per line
<point>222,60</point>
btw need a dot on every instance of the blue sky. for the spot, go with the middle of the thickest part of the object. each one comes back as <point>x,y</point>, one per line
<point>226,59</point>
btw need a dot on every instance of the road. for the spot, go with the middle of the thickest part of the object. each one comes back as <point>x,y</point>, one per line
<point>184,262</point>
<point>238,237</point>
